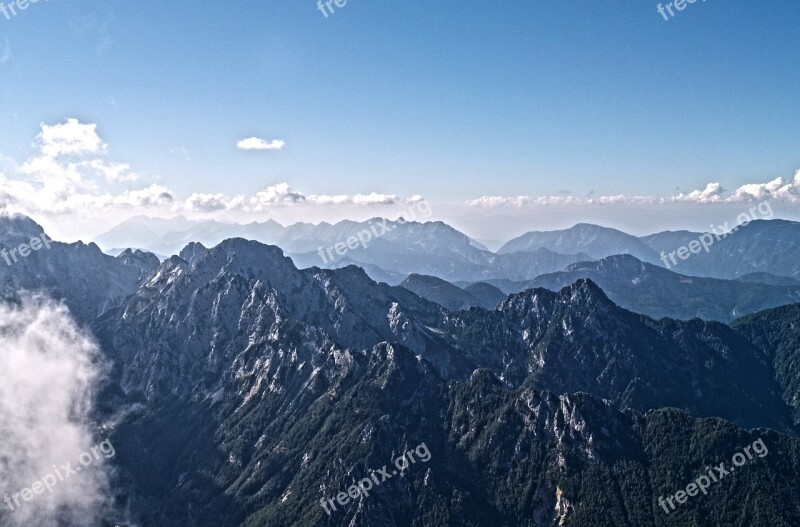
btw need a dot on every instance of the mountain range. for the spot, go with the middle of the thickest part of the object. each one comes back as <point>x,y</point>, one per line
<point>245,390</point>
<point>657,292</point>
<point>759,251</point>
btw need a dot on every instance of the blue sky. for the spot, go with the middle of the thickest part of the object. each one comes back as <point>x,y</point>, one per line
<point>448,100</point>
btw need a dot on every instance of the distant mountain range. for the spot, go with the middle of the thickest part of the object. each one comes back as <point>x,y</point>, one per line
<point>763,246</point>
<point>657,292</point>
<point>452,297</point>
<point>403,248</point>
<point>760,251</point>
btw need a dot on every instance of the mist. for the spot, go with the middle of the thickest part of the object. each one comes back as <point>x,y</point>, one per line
<point>48,371</point>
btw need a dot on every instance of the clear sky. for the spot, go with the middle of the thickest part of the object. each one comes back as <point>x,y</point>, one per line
<point>448,100</point>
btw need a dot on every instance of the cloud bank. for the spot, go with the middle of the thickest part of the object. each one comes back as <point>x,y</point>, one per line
<point>70,171</point>
<point>779,189</point>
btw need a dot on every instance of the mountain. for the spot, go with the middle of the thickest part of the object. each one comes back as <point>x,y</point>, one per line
<point>169,236</point>
<point>143,231</point>
<point>453,297</point>
<point>274,415</point>
<point>88,281</point>
<point>245,391</point>
<point>390,250</point>
<point>487,455</point>
<point>595,241</point>
<point>373,271</point>
<point>657,292</point>
<point>777,333</point>
<point>441,292</point>
<point>507,287</point>
<point>667,241</point>
<point>436,249</point>
<point>762,246</point>
<point>487,293</point>
<point>273,388</point>
<point>576,339</point>
<point>193,252</point>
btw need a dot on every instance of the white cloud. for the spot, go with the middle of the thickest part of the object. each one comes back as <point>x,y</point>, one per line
<point>50,370</point>
<point>70,172</point>
<point>152,196</point>
<point>180,151</point>
<point>67,171</point>
<point>280,194</point>
<point>206,202</point>
<point>778,189</point>
<point>256,143</point>
<point>712,193</point>
<point>111,171</point>
<point>283,194</point>
<point>64,174</point>
<point>70,138</point>
<point>358,199</point>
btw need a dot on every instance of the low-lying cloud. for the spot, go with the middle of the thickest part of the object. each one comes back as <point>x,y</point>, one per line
<point>49,370</point>
<point>779,189</point>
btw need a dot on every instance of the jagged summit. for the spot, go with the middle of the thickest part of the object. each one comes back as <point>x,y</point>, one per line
<point>17,227</point>
<point>193,252</point>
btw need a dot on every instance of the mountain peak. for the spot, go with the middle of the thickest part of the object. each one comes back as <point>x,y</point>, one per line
<point>193,252</point>
<point>247,257</point>
<point>585,290</point>
<point>593,240</point>
<point>18,227</point>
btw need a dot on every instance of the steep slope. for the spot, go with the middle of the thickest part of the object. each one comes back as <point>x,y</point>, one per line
<point>199,317</point>
<point>289,434</point>
<point>776,332</point>
<point>578,340</point>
